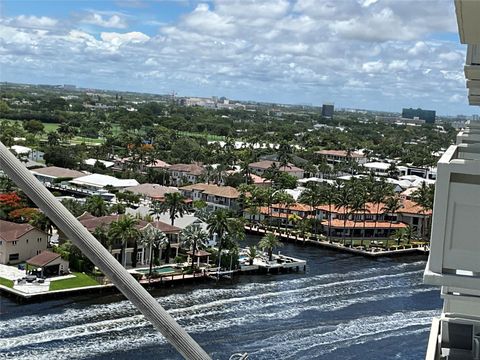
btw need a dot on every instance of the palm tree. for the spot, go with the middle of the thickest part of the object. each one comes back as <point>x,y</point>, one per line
<point>313,197</point>
<point>74,207</point>
<point>392,205</point>
<point>218,223</point>
<point>269,242</point>
<point>252,254</point>
<point>342,202</point>
<point>192,237</point>
<point>96,206</point>
<point>124,230</point>
<point>175,205</point>
<point>156,209</point>
<point>329,195</point>
<point>424,197</point>
<point>101,234</point>
<point>154,239</point>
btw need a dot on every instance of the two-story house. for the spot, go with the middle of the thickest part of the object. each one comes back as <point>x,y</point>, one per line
<point>20,242</point>
<point>184,173</point>
<point>216,197</point>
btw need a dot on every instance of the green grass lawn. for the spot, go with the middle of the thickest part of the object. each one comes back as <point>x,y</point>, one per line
<point>6,282</point>
<point>80,280</point>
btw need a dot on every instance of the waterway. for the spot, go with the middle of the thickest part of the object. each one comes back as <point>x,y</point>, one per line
<point>342,307</point>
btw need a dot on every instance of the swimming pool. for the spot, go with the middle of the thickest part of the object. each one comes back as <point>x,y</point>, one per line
<point>159,270</point>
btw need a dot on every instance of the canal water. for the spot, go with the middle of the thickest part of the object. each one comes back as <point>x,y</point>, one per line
<point>342,307</point>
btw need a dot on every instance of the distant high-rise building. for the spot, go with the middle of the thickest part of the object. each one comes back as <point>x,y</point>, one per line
<point>427,115</point>
<point>327,110</point>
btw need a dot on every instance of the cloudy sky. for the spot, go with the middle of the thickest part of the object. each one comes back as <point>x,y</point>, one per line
<point>381,55</point>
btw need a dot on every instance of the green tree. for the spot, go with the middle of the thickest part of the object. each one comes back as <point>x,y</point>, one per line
<point>175,205</point>
<point>96,206</point>
<point>154,239</point>
<point>194,237</point>
<point>269,242</point>
<point>123,231</point>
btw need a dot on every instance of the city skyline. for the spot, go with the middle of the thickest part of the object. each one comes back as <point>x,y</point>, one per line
<point>378,55</point>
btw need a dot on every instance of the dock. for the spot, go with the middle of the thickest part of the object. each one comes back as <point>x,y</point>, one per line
<point>375,253</point>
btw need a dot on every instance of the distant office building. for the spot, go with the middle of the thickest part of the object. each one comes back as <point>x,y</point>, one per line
<point>327,110</point>
<point>427,115</point>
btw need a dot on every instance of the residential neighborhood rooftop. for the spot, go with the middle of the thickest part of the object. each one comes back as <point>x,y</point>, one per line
<point>10,231</point>
<point>42,259</point>
<point>210,189</point>
<point>154,191</point>
<point>58,172</point>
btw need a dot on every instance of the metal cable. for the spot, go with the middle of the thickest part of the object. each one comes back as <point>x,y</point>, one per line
<point>100,256</point>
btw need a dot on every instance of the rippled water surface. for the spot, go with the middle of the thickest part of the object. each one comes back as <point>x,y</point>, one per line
<point>343,307</point>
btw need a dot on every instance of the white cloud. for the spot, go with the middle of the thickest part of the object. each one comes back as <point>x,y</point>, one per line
<point>33,21</point>
<point>382,52</point>
<point>114,21</point>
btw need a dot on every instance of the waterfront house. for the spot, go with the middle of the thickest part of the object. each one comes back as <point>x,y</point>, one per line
<point>260,167</point>
<point>185,173</point>
<point>19,242</point>
<point>143,255</point>
<point>216,197</point>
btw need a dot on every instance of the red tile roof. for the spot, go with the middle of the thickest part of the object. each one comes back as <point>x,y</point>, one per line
<point>166,228</point>
<point>340,153</point>
<point>58,172</point>
<point>215,190</point>
<point>43,259</point>
<point>337,223</point>
<point>192,169</point>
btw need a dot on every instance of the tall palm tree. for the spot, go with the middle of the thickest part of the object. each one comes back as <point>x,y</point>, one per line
<point>342,202</point>
<point>124,230</point>
<point>176,207</point>
<point>74,207</point>
<point>218,224</point>
<point>96,206</point>
<point>154,239</point>
<point>156,209</point>
<point>329,195</point>
<point>424,197</point>
<point>194,237</point>
<point>392,205</point>
<point>312,196</point>
<point>269,242</point>
<point>42,222</point>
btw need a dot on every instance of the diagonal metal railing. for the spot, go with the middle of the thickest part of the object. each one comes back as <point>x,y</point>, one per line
<point>100,256</point>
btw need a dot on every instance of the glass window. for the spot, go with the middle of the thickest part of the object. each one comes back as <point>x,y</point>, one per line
<point>13,257</point>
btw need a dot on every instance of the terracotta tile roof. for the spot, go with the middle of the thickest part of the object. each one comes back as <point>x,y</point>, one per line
<point>411,207</point>
<point>43,259</point>
<point>92,223</point>
<point>86,215</point>
<point>408,207</point>
<point>266,164</point>
<point>337,223</point>
<point>265,211</point>
<point>293,207</point>
<point>166,228</point>
<point>215,190</point>
<point>58,172</point>
<point>192,169</point>
<point>259,180</point>
<point>154,191</point>
<point>340,153</point>
<point>10,231</point>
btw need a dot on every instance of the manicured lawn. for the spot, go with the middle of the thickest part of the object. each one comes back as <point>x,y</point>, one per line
<point>80,280</point>
<point>6,282</point>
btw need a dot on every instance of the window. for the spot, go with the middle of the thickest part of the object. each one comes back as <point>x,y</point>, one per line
<point>27,241</point>
<point>14,243</point>
<point>39,251</point>
<point>13,257</point>
<point>0,242</point>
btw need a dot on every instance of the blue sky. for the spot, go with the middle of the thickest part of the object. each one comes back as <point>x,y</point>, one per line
<point>372,54</point>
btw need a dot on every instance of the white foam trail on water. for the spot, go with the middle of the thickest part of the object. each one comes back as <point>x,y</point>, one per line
<point>129,327</point>
<point>201,297</point>
<point>325,340</point>
<point>339,288</point>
